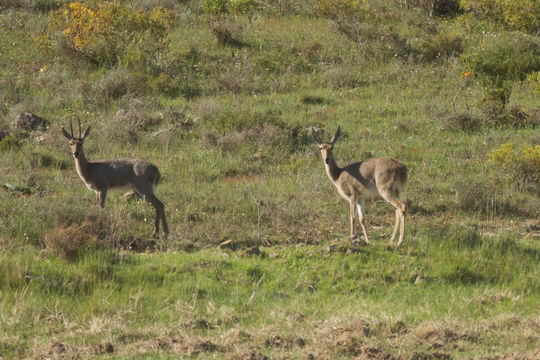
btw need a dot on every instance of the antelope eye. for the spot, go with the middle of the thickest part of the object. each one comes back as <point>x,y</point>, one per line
<point>320,148</point>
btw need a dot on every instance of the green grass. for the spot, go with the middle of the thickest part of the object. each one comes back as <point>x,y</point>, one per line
<point>230,134</point>
<point>287,292</point>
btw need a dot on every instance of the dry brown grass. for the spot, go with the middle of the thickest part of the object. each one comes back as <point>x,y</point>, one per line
<point>68,242</point>
<point>96,231</point>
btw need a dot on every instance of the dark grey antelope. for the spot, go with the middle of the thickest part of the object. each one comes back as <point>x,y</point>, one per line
<point>103,175</point>
<point>358,181</point>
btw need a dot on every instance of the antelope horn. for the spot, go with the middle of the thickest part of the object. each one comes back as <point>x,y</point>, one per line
<point>71,126</point>
<point>80,132</point>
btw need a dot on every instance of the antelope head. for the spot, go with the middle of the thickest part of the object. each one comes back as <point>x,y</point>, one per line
<point>326,147</point>
<point>76,143</point>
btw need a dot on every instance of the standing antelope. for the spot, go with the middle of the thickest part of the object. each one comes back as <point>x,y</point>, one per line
<point>358,181</point>
<point>103,175</point>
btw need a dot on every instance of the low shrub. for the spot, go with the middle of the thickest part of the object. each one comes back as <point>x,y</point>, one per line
<point>220,7</point>
<point>165,84</point>
<point>108,32</point>
<point>519,15</point>
<point>334,9</point>
<point>8,142</point>
<point>443,45</point>
<point>534,80</point>
<point>360,23</point>
<point>229,32</point>
<point>481,198</point>
<point>462,121</point>
<point>341,76</point>
<point>497,65</point>
<point>278,138</point>
<point>68,242</point>
<point>32,5</point>
<point>113,84</point>
<point>134,117</point>
<point>437,8</point>
<point>224,122</point>
<point>519,167</point>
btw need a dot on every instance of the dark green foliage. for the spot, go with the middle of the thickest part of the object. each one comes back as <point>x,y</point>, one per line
<point>443,45</point>
<point>495,61</point>
<point>8,143</point>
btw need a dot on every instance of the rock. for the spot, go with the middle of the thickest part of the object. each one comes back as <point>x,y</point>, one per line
<point>29,122</point>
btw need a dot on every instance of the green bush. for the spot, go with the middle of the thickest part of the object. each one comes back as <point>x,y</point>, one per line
<point>440,7</point>
<point>8,142</point>
<point>221,7</point>
<point>444,44</point>
<point>165,84</point>
<point>497,65</point>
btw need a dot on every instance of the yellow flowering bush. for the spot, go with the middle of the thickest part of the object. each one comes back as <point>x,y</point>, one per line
<point>103,31</point>
<point>339,8</point>
<point>521,165</point>
<point>519,15</point>
<point>534,80</point>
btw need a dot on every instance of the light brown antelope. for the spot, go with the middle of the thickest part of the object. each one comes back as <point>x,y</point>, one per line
<point>358,181</point>
<point>103,175</point>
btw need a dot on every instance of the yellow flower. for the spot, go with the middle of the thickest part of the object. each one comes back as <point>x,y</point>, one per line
<point>467,74</point>
<point>43,68</point>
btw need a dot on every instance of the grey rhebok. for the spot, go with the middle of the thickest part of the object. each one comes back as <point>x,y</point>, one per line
<point>355,182</point>
<point>103,175</point>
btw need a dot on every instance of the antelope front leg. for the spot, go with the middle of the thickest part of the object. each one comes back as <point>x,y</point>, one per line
<point>160,214</point>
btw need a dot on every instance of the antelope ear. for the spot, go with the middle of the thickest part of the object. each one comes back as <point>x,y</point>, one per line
<point>315,136</point>
<point>336,135</point>
<point>85,133</point>
<point>66,134</point>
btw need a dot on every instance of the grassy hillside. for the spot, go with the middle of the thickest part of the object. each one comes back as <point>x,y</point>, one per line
<point>222,96</point>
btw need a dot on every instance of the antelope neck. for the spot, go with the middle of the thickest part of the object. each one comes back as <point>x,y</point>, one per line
<point>332,169</point>
<point>82,165</point>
